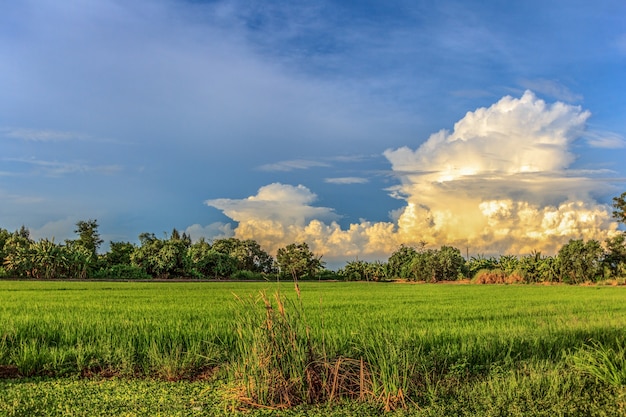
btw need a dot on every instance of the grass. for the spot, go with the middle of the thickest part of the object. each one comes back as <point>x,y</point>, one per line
<point>340,348</point>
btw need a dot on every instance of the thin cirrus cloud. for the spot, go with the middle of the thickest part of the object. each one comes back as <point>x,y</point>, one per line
<point>346,180</point>
<point>293,164</point>
<point>41,135</point>
<point>551,88</point>
<point>607,140</point>
<point>55,168</point>
<point>499,182</point>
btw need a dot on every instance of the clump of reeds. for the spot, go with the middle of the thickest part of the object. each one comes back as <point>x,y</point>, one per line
<point>278,364</point>
<point>604,363</point>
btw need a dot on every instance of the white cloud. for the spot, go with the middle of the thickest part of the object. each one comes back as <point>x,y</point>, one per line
<point>277,202</point>
<point>498,183</point>
<point>500,179</point>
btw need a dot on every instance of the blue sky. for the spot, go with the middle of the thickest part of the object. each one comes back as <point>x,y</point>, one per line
<point>352,125</point>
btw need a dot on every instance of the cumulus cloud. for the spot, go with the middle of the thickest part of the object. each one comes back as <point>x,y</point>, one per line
<point>499,182</point>
<point>286,204</point>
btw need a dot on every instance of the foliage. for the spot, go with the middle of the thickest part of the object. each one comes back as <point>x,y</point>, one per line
<point>247,253</point>
<point>580,262</point>
<point>619,206</point>
<point>161,258</point>
<point>18,255</point>
<point>479,263</point>
<point>430,265</point>
<point>362,271</point>
<point>400,259</point>
<point>615,256</point>
<point>121,271</point>
<point>297,261</point>
<point>88,235</point>
<point>119,253</point>
<point>538,268</point>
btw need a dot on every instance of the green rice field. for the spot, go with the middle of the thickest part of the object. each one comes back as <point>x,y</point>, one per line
<point>338,349</point>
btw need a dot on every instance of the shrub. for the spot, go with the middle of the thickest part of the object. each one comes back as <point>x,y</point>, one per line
<point>489,276</point>
<point>249,276</point>
<point>122,272</point>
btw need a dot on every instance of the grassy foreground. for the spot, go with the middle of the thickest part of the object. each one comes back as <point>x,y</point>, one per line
<point>140,349</point>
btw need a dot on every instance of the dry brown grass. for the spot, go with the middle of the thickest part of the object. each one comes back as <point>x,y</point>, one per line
<point>496,276</point>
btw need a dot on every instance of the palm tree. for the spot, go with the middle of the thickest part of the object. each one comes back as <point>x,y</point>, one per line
<point>48,259</point>
<point>18,256</point>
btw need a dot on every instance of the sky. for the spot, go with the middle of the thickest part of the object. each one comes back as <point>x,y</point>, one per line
<point>355,126</point>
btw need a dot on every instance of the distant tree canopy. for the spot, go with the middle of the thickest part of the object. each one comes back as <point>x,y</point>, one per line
<point>297,261</point>
<point>177,256</point>
<point>88,235</point>
<point>619,206</point>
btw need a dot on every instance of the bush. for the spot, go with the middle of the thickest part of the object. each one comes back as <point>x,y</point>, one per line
<point>249,276</point>
<point>496,276</point>
<point>122,272</point>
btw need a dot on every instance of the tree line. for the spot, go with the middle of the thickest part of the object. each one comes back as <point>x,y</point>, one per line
<point>176,256</point>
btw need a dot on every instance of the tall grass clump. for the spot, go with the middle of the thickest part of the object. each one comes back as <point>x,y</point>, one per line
<point>391,370</point>
<point>605,364</point>
<point>274,352</point>
<point>278,364</point>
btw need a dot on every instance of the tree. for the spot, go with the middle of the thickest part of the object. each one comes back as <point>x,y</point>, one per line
<point>161,258</point>
<point>399,261</point>
<point>450,264</point>
<point>19,254</point>
<point>248,253</point>
<point>580,261</point>
<point>48,259</point>
<point>615,256</point>
<point>88,236</point>
<point>298,261</point>
<point>355,271</point>
<point>619,204</point>
<point>4,236</point>
<point>78,260</point>
<point>119,253</point>
<point>146,256</point>
<point>537,268</point>
<point>421,267</point>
